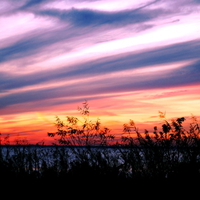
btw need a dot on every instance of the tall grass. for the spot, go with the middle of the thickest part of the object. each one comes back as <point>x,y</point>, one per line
<point>171,153</point>
<point>85,150</point>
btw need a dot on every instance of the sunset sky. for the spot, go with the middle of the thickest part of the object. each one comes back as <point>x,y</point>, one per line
<point>129,59</point>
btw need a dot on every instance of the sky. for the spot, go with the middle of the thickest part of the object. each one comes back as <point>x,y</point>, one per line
<point>127,59</point>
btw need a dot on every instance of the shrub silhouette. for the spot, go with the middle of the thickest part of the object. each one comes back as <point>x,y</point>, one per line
<point>81,133</point>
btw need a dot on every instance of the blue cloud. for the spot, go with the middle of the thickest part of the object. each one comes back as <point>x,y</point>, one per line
<point>164,55</point>
<point>190,75</point>
<point>31,3</point>
<point>86,17</point>
<point>179,52</point>
<point>33,43</point>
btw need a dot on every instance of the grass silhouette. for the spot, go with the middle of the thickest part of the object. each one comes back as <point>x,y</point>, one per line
<point>85,150</point>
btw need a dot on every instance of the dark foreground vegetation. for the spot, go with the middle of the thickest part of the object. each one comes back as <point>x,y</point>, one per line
<point>84,151</point>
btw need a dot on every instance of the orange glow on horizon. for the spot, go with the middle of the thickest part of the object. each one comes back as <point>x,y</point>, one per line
<point>142,106</point>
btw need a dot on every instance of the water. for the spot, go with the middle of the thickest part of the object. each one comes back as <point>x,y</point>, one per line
<point>54,155</point>
<point>128,161</point>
